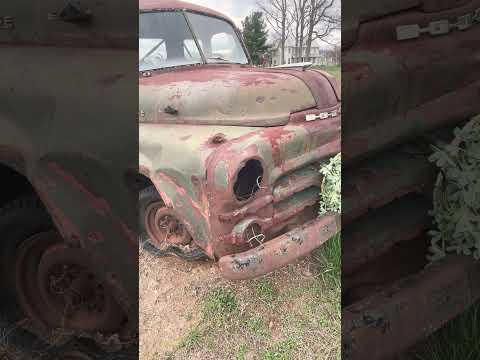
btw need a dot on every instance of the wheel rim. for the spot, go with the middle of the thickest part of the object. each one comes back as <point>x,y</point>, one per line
<point>58,288</point>
<point>164,228</point>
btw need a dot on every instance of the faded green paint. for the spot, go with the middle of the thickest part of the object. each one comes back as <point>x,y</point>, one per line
<point>221,175</point>
<point>299,141</point>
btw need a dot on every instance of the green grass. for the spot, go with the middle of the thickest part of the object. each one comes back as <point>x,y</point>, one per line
<point>192,339</point>
<point>256,325</point>
<point>330,256</point>
<point>282,350</point>
<point>219,305</point>
<point>458,340</point>
<point>265,290</point>
<point>241,353</point>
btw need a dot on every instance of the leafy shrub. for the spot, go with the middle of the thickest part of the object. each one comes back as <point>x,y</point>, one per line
<point>331,187</point>
<point>456,203</point>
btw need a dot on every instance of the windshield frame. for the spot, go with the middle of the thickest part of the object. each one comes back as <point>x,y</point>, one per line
<point>195,38</point>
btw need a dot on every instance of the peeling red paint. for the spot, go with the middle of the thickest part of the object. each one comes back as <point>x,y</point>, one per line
<point>279,251</point>
<point>230,74</point>
<point>252,156</point>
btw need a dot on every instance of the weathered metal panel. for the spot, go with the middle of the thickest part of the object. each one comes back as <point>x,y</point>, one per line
<point>378,181</point>
<point>375,234</point>
<point>388,322</point>
<point>79,176</point>
<point>280,251</point>
<point>435,78</point>
<point>399,91</point>
<point>201,184</point>
<point>42,24</point>
<point>178,5</point>
<point>232,95</point>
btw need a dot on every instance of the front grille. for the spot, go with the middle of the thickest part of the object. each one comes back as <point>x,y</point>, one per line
<point>295,182</point>
<point>296,191</point>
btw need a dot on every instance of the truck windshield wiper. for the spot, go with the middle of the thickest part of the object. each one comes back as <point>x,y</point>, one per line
<point>218,58</point>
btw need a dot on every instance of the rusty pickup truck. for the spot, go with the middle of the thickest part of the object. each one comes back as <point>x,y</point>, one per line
<point>230,153</point>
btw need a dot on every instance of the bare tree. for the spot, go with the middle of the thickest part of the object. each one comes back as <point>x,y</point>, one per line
<point>278,16</point>
<point>299,14</point>
<point>324,18</point>
<point>335,55</point>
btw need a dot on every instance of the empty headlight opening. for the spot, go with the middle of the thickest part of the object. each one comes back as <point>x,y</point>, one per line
<point>249,180</point>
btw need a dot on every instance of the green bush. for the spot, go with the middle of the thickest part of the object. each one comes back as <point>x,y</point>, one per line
<point>456,203</point>
<point>331,186</point>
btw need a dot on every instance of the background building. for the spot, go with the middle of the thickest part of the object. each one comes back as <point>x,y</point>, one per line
<point>318,55</point>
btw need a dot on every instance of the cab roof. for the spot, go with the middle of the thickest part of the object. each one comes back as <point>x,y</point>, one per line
<point>178,5</point>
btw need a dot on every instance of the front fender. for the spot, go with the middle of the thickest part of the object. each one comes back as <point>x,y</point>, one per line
<point>87,201</point>
<point>186,209</point>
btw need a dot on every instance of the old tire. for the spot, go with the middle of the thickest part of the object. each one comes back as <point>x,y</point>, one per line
<point>146,197</point>
<point>31,249</point>
<point>19,220</point>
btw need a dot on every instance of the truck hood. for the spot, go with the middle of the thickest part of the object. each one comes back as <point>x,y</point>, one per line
<point>233,95</point>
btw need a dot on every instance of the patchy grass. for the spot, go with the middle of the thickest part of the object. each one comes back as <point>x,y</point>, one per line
<point>458,340</point>
<point>219,305</point>
<point>282,350</point>
<point>266,290</point>
<point>293,313</point>
<point>191,340</point>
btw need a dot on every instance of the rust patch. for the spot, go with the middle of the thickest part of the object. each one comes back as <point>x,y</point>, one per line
<point>279,251</point>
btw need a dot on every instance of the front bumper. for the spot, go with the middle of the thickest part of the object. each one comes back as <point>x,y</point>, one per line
<point>280,251</point>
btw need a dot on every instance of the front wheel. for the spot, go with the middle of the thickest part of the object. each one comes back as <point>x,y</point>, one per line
<point>48,282</point>
<point>161,232</point>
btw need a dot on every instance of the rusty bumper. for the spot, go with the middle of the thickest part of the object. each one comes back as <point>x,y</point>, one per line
<point>394,319</point>
<point>280,251</point>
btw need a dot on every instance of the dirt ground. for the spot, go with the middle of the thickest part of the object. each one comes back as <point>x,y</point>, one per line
<point>169,290</point>
<point>290,314</point>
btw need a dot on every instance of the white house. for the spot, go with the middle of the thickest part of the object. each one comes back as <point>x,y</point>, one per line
<point>318,55</point>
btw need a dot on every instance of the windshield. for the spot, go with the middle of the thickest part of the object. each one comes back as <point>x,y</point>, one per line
<point>218,39</point>
<point>165,40</point>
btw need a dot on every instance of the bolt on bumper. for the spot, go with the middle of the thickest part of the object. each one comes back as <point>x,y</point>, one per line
<point>280,251</point>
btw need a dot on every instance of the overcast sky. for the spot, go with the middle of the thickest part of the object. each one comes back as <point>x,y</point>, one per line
<point>237,10</point>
